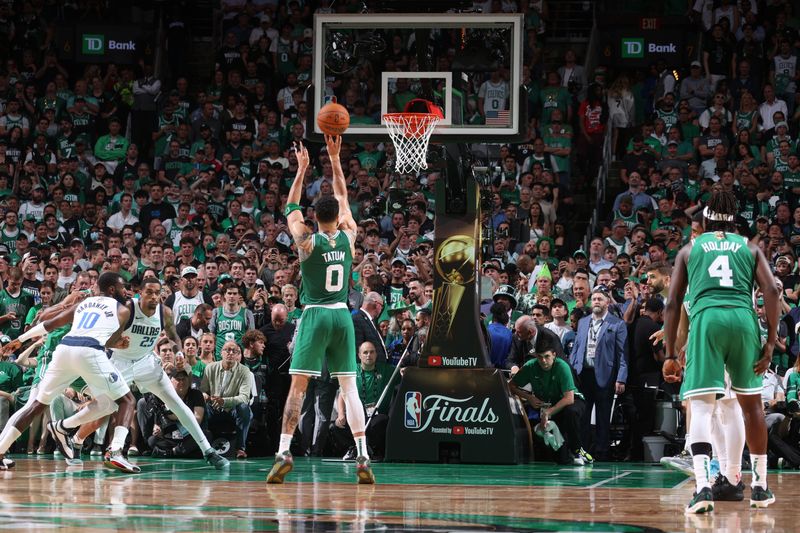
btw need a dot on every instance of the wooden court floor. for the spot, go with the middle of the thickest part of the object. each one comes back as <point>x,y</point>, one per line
<point>44,494</point>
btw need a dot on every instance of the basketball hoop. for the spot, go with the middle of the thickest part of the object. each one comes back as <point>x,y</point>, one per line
<point>410,133</point>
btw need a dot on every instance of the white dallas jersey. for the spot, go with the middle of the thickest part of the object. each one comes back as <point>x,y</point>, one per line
<point>184,307</point>
<point>96,317</point>
<point>143,332</point>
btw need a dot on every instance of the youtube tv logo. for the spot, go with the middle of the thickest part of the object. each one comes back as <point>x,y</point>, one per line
<point>434,360</point>
<point>458,430</point>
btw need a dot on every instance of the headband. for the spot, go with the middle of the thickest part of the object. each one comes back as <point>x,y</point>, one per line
<point>717,217</point>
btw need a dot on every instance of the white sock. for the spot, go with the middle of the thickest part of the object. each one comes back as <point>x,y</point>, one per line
<point>734,440</point>
<point>7,437</point>
<point>701,463</point>
<point>687,443</point>
<point>286,443</point>
<point>361,446</point>
<point>118,441</point>
<point>718,437</point>
<point>759,471</point>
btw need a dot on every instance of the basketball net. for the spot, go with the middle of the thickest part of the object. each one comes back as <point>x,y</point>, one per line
<point>410,134</point>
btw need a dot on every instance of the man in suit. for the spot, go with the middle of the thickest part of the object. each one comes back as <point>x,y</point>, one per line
<point>365,327</point>
<point>530,339</point>
<point>226,388</point>
<point>599,359</point>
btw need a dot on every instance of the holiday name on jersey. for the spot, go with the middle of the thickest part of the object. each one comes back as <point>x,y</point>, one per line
<point>722,246</point>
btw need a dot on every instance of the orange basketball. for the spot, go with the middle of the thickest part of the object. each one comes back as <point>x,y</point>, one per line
<point>333,119</point>
<point>672,368</point>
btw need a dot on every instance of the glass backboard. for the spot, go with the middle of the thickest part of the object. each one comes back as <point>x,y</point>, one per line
<point>468,64</point>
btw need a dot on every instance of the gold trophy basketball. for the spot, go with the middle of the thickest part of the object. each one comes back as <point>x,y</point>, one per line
<point>455,263</point>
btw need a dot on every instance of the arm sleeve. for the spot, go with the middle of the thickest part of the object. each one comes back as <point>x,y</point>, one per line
<point>212,326</point>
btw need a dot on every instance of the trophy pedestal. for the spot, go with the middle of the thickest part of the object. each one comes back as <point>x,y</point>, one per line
<point>456,415</point>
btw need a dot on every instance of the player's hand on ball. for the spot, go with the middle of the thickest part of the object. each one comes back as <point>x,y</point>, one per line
<point>11,347</point>
<point>334,143</point>
<point>671,371</point>
<point>762,365</point>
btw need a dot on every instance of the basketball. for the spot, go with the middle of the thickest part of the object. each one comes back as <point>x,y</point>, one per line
<point>672,368</point>
<point>333,119</point>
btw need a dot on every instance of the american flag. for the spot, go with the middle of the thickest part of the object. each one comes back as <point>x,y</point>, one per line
<point>498,118</point>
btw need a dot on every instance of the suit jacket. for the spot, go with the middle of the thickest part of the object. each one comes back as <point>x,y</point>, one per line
<point>184,328</point>
<point>545,340</point>
<point>237,389</point>
<point>610,357</point>
<point>366,330</point>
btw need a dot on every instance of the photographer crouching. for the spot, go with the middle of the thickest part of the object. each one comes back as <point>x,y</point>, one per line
<point>169,437</point>
<point>561,405</point>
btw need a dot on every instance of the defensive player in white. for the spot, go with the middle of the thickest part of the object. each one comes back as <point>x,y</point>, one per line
<point>138,364</point>
<point>97,323</point>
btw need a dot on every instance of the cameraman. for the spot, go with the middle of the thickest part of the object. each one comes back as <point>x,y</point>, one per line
<point>169,437</point>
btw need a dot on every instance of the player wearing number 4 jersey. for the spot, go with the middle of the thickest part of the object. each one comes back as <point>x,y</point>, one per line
<point>722,267</point>
<point>97,323</point>
<point>325,333</point>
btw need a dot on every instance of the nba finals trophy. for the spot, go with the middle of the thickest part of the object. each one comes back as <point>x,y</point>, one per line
<point>454,405</point>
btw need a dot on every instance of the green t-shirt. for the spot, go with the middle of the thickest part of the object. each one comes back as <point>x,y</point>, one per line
<point>10,376</point>
<point>793,386</point>
<point>547,385</point>
<point>19,305</point>
<point>371,383</point>
<point>721,269</point>
<point>229,328</point>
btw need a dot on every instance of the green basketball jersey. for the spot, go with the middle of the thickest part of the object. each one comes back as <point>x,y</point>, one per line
<point>19,306</point>
<point>230,328</point>
<point>721,271</point>
<point>326,270</point>
<point>46,351</point>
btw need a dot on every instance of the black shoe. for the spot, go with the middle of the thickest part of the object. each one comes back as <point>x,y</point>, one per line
<point>761,497</point>
<point>701,502</point>
<point>160,452</point>
<point>724,491</point>
<point>351,454</point>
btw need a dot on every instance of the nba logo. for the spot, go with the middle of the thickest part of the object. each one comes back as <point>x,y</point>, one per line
<point>413,411</point>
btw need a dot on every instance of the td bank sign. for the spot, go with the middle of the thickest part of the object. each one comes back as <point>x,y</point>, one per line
<point>639,48</point>
<point>98,44</point>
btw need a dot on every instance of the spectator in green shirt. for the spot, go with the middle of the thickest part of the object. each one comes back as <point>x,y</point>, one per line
<point>371,378</point>
<point>554,393</point>
<point>10,381</point>
<point>110,149</point>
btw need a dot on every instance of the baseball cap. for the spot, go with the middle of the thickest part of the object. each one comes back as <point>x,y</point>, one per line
<point>784,258</point>
<point>578,252</point>
<point>399,260</point>
<point>77,240</point>
<point>238,190</point>
<point>557,301</point>
<point>224,277</point>
<point>696,64</point>
<point>188,271</point>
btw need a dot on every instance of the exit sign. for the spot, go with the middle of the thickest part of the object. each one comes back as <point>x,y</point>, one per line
<point>650,23</point>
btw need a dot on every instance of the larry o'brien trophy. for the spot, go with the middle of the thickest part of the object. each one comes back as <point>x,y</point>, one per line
<point>455,406</point>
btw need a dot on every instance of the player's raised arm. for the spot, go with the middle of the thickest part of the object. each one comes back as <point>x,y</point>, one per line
<point>346,220</point>
<point>294,213</point>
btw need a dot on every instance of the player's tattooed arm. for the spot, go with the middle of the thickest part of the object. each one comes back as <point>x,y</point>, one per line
<point>303,242</point>
<point>169,327</point>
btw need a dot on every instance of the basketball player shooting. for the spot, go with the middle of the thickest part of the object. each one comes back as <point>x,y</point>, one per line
<point>326,330</point>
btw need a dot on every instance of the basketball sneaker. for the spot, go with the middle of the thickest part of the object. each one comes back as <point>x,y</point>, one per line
<point>583,454</point>
<point>63,438</point>
<point>761,497</point>
<point>114,459</point>
<point>6,463</point>
<point>284,462</point>
<point>725,491</point>
<point>681,462</point>
<point>364,471</point>
<point>216,460</point>
<point>701,502</point>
